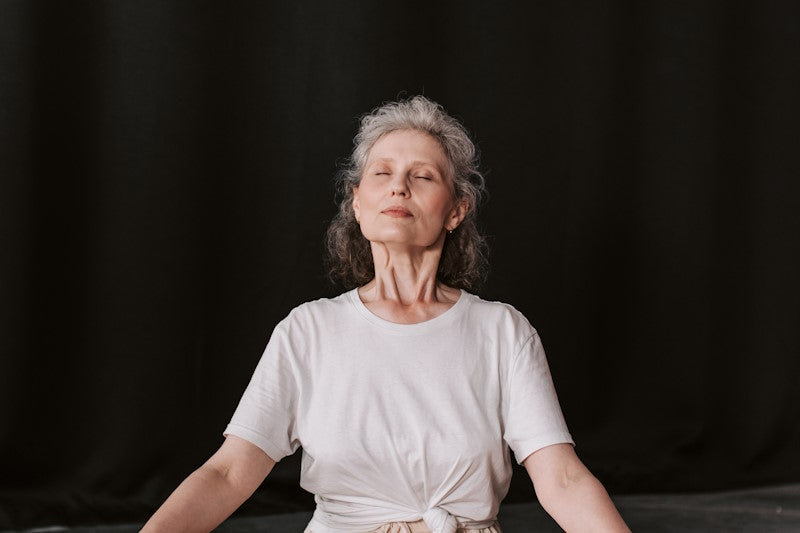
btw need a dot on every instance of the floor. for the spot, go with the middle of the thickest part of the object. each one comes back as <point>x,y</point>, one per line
<point>764,510</point>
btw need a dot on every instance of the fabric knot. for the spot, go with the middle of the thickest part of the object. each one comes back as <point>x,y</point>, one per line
<point>440,521</point>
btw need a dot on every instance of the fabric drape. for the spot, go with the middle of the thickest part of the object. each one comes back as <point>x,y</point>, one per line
<point>166,180</point>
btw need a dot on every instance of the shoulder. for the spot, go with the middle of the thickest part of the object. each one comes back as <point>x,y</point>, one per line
<point>311,321</point>
<point>318,312</point>
<point>323,305</point>
<point>500,318</point>
<point>501,312</point>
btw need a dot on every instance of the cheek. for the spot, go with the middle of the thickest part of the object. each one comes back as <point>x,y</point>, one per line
<point>442,207</point>
<point>369,201</point>
<point>364,197</point>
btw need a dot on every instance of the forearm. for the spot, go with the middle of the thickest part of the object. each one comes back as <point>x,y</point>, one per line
<point>200,503</point>
<point>582,504</point>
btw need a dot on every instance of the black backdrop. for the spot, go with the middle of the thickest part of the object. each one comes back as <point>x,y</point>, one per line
<point>166,182</point>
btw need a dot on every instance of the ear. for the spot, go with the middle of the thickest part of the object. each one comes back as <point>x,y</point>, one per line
<point>356,205</point>
<point>457,215</point>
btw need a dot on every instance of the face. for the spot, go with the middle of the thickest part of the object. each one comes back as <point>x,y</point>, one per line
<point>406,195</point>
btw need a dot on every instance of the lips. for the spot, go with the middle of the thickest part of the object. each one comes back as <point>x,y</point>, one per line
<point>397,211</point>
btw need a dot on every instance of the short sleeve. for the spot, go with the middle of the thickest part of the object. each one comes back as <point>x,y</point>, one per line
<point>267,413</point>
<point>532,415</point>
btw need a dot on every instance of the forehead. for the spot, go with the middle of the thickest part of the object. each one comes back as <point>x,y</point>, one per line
<point>408,145</point>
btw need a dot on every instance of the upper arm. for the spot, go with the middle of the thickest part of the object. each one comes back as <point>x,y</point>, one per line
<point>243,464</point>
<point>531,411</point>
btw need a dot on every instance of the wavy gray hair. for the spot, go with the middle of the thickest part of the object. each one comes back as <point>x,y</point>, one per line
<point>464,261</point>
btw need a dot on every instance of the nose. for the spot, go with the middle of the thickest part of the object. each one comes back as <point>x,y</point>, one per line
<point>400,185</point>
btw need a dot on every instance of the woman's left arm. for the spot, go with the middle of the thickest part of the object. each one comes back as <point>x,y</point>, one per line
<point>570,493</point>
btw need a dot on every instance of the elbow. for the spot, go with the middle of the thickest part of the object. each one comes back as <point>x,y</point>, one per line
<point>560,486</point>
<point>579,502</point>
<point>572,477</point>
<point>226,477</point>
<point>564,480</point>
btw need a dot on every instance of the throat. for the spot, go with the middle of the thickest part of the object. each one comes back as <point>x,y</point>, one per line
<point>420,304</point>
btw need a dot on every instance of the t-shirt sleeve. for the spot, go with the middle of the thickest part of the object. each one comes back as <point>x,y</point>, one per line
<point>267,413</point>
<point>533,417</point>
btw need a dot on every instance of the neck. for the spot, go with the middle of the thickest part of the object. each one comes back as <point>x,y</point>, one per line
<point>405,288</point>
<point>404,276</point>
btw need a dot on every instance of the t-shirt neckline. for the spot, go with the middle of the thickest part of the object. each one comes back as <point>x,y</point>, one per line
<point>417,328</point>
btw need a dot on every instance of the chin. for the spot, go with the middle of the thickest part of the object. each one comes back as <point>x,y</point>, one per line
<point>400,237</point>
<point>410,243</point>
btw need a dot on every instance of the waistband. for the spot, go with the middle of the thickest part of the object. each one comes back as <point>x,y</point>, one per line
<point>432,520</point>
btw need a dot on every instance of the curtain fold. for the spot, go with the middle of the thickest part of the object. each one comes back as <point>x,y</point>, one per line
<point>166,180</point>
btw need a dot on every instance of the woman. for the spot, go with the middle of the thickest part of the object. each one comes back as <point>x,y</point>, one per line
<point>407,391</point>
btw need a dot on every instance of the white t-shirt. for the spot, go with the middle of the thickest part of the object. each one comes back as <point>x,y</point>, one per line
<point>402,421</point>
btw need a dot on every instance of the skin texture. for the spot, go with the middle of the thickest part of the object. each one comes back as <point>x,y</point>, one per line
<point>213,491</point>
<point>570,493</point>
<point>405,206</point>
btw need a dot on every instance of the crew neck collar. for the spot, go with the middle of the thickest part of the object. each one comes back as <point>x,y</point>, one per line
<point>447,317</point>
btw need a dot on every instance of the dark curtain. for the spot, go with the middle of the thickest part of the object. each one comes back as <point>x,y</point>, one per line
<point>165,185</point>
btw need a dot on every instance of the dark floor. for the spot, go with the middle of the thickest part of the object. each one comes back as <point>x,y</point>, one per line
<point>770,509</point>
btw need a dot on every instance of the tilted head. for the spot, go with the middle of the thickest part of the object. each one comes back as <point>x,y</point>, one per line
<point>463,263</point>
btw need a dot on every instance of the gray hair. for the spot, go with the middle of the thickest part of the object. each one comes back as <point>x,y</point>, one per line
<point>464,261</point>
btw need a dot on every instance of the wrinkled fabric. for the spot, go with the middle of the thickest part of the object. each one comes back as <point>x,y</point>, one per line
<point>419,526</point>
<point>402,422</point>
<point>440,521</point>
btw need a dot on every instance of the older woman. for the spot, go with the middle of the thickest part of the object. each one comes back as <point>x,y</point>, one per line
<point>407,391</point>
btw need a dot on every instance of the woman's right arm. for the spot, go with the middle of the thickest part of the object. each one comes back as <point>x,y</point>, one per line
<point>215,490</point>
